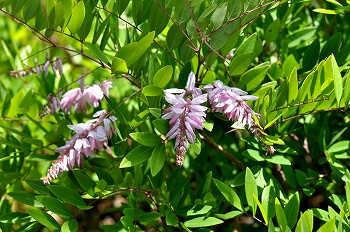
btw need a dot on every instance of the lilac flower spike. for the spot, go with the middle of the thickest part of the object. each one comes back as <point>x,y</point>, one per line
<point>186,114</point>
<point>231,102</point>
<point>78,97</point>
<point>90,137</point>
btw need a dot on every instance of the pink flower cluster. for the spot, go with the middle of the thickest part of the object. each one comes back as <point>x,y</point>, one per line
<point>90,137</point>
<point>186,114</point>
<point>231,102</point>
<point>78,97</point>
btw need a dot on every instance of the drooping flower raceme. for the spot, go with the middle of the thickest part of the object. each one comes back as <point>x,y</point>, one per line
<point>186,114</point>
<point>90,137</point>
<point>231,102</point>
<point>78,97</point>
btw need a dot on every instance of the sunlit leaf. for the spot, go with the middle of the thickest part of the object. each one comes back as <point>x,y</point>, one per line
<point>77,18</point>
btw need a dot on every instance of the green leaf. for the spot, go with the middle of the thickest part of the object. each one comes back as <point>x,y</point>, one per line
<point>99,162</point>
<point>36,142</point>
<point>262,210</point>
<point>230,195</point>
<point>157,159</point>
<point>202,222</point>
<point>15,131</point>
<point>148,217</point>
<point>161,125</point>
<point>174,37</point>
<point>85,182</point>
<point>186,52</point>
<point>68,195</point>
<point>248,45</point>
<point>331,46</point>
<point>217,18</point>
<point>163,76</point>
<point>44,218</point>
<point>289,65</point>
<point>305,223</point>
<point>253,155</point>
<point>195,210</point>
<point>343,55</point>
<point>299,36</point>
<point>156,112</point>
<point>325,11</point>
<point>25,198</point>
<point>77,18</point>
<point>38,185</point>
<point>140,118</point>
<point>328,226</point>
<point>59,13</point>
<point>272,31</point>
<point>119,66</point>
<point>152,90</point>
<point>15,218</point>
<point>267,200</point>
<point>219,38</point>
<point>339,146</point>
<point>138,155</point>
<point>278,159</point>
<point>229,215</point>
<point>132,52</point>
<point>86,26</point>
<point>98,33</point>
<point>321,214</point>
<point>70,226</point>
<point>241,62</point>
<point>301,178</point>
<point>55,206</point>
<point>347,194</point>
<point>274,140</point>
<point>271,227</point>
<point>281,217</point>
<point>253,77</point>
<point>293,86</point>
<point>30,9</point>
<point>17,5</point>
<point>311,54</point>
<point>93,48</point>
<point>338,81</point>
<point>291,210</point>
<point>157,20</point>
<point>171,218</point>
<point>146,138</point>
<point>251,189</point>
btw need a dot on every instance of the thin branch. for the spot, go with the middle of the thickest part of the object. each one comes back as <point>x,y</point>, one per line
<point>127,98</point>
<point>33,30</point>
<point>220,149</point>
<point>245,14</point>
<point>299,104</point>
<point>138,29</point>
<point>182,31</point>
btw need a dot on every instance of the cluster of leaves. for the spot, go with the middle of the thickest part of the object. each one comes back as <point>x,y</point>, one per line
<point>289,54</point>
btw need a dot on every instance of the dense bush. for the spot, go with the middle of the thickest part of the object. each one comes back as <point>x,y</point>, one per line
<point>174,115</point>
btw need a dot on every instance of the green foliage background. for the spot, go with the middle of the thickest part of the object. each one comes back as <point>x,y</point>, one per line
<point>293,55</point>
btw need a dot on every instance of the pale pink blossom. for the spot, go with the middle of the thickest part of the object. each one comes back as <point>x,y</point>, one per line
<point>186,114</point>
<point>79,97</point>
<point>231,102</point>
<point>90,138</point>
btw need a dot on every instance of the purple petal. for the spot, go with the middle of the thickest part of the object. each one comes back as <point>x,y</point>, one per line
<point>190,82</point>
<point>173,131</point>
